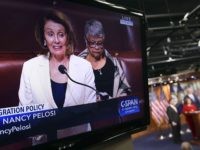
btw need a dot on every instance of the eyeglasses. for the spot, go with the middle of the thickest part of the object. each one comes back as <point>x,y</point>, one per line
<point>94,44</point>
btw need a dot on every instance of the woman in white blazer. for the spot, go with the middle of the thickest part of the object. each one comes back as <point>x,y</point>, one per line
<point>35,85</point>
<point>42,83</point>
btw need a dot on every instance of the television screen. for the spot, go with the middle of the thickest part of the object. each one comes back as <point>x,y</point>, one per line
<point>71,72</point>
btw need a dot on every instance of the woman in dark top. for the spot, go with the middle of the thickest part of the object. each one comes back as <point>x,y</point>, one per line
<point>110,78</point>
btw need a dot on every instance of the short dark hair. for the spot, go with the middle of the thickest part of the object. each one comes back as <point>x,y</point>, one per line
<point>185,99</point>
<point>57,17</point>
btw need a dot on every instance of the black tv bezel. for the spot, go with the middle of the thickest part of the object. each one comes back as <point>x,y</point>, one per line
<point>98,136</point>
<point>91,138</point>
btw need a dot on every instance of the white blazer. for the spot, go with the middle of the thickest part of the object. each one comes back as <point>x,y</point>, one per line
<point>35,84</point>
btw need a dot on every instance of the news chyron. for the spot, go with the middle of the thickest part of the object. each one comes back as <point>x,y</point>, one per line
<point>21,118</point>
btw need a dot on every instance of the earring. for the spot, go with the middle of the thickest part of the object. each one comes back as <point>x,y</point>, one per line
<point>45,43</point>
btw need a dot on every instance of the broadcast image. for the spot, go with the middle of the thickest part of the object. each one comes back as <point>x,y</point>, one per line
<point>67,73</point>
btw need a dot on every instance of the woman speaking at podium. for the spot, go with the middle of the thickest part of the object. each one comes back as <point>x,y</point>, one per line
<point>42,83</point>
<point>188,108</point>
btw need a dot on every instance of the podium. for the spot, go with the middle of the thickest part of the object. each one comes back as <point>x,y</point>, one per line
<point>196,119</point>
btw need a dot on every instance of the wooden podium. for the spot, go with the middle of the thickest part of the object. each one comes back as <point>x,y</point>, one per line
<point>196,118</point>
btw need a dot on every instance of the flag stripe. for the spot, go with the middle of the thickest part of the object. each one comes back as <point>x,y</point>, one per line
<point>159,106</point>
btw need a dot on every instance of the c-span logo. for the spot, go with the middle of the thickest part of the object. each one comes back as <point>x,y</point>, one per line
<point>129,105</point>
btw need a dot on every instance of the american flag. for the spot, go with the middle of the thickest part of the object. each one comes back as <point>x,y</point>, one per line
<point>158,104</point>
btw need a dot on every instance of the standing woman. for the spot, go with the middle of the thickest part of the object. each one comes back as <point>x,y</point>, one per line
<point>189,107</point>
<point>42,83</point>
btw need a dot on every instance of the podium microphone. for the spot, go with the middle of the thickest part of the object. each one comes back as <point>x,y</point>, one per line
<point>63,70</point>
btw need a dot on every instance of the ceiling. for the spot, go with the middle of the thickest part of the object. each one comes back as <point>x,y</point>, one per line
<point>172,35</point>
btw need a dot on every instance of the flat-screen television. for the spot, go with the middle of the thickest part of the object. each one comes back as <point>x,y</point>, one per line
<point>112,113</point>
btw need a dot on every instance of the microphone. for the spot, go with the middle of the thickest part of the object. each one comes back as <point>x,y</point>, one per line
<point>63,70</point>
